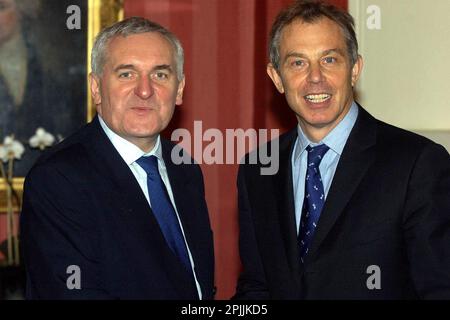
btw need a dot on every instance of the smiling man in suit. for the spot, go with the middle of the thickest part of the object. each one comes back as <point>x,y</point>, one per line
<point>106,213</point>
<point>359,209</point>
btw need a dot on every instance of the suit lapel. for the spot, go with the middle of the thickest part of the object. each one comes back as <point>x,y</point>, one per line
<point>111,166</point>
<point>285,200</point>
<point>355,160</point>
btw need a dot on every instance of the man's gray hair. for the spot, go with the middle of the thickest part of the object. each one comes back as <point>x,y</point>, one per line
<point>133,25</point>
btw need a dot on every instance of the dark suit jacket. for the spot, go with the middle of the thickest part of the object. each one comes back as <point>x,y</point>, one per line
<point>83,206</point>
<point>388,206</point>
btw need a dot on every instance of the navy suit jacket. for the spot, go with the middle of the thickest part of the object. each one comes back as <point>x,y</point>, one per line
<point>83,207</point>
<point>388,207</point>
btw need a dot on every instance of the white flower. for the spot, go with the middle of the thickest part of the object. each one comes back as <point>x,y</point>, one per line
<point>41,139</point>
<point>11,149</point>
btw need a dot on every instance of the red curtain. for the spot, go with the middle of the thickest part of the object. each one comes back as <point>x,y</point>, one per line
<point>227,87</point>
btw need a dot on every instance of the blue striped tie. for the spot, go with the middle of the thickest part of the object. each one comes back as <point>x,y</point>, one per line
<point>314,199</point>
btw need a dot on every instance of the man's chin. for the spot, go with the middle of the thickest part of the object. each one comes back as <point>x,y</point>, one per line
<point>318,123</point>
<point>142,133</point>
<point>146,135</point>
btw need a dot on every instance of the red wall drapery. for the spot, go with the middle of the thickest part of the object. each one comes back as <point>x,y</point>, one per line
<point>225,44</point>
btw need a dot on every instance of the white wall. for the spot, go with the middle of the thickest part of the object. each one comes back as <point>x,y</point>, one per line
<point>406,77</point>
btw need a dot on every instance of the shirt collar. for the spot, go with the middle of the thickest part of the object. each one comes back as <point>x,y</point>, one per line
<point>127,150</point>
<point>335,139</point>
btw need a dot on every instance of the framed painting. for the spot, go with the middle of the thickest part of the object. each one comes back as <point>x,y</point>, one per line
<point>44,65</point>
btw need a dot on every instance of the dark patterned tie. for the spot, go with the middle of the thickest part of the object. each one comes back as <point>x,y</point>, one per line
<point>163,210</point>
<point>314,199</point>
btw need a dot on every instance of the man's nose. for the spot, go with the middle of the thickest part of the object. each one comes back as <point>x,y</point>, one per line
<point>144,88</point>
<point>315,74</point>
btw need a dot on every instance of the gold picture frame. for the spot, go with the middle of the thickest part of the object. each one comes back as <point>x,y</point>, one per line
<point>100,14</point>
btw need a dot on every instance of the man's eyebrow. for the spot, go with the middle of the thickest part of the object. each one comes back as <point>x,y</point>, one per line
<point>132,67</point>
<point>334,50</point>
<point>323,53</point>
<point>295,55</point>
<point>124,66</point>
<point>163,67</point>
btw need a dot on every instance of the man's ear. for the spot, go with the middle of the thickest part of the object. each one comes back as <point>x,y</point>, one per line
<point>94,82</point>
<point>356,70</point>
<point>273,74</point>
<point>180,90</point>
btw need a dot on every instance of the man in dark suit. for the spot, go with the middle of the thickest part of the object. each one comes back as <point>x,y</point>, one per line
<point>359,209</point>
<point>106,213</point>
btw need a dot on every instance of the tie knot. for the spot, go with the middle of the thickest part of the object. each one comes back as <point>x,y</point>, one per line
<point>149,164</point>
<point>315,154</point>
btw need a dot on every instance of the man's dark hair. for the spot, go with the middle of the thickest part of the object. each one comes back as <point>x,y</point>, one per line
<point>309,11</point>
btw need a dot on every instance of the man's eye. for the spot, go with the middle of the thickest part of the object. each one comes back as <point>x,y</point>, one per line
<point>161,75</point>
<point>330,60</point>
<point>298,63</point>
<point>125,75</point>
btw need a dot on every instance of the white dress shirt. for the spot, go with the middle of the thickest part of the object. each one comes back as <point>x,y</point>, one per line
<point>130,153</point>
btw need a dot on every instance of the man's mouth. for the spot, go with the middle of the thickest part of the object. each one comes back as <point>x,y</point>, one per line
<point>318,98</point>
<point>142,108</point>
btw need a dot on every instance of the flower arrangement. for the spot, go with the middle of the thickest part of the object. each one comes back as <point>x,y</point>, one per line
<point>12,150</point>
